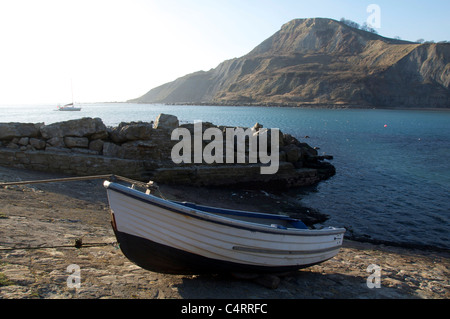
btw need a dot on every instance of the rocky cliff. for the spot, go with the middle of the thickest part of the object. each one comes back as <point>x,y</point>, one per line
<point>321,62</point>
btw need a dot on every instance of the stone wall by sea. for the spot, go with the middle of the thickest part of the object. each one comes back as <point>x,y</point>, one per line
<point>142,151</point>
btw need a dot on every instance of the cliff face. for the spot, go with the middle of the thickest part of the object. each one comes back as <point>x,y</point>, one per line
<point>321,62</point>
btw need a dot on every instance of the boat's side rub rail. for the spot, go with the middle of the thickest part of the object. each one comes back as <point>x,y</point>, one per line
<point>284,252</point>
<point>180,209</point>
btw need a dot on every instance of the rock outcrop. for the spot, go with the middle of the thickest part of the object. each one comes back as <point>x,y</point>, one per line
<point>321,62</point>
<point>143,151</point>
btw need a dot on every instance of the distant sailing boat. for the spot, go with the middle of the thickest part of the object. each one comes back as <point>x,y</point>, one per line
<point>70,106</point>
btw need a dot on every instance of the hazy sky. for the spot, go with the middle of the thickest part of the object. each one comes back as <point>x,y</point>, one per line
<point>115,50</point>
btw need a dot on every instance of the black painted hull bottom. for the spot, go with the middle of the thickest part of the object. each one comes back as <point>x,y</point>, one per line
<point>164,259</point>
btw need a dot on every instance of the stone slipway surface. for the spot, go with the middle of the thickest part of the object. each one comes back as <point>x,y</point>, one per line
<point>55,215</point>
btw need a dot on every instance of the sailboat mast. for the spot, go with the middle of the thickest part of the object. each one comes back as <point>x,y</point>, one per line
<point>71,87</point>
<point>70,106</point>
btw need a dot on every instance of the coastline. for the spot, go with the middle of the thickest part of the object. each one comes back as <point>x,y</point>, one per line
<point>56,214</point>
<point>299,105</point>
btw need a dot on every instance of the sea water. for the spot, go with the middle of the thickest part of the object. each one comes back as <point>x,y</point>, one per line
<point>393,168</point>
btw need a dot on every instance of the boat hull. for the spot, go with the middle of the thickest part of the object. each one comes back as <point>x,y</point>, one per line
<point>70,109</point>
<point>168,237</point>
<point>160,258</point>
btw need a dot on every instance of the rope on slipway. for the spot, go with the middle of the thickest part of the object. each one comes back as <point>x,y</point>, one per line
<point>78,242</point>
<point>111,177</point>
<point>77,245</point>
<point>55,180</point>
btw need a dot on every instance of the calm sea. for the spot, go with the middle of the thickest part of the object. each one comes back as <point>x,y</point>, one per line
<point>393,166</point>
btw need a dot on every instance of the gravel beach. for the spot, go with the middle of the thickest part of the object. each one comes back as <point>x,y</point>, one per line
<point>39,225</point>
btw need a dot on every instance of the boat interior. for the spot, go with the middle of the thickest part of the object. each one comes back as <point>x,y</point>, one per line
<point>274,220</point>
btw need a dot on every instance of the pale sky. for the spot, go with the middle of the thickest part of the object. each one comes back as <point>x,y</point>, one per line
<point>115,50</point>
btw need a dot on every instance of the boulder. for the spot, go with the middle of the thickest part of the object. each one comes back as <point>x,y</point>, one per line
<point>37,143</point>
<point>140,150</point>
<point>289,139</point>
<point>111,149</point>
<point>257,127</point>
<point>267,134</point>
<point>138,131</point>
<point>56,142</point>
<point>72,142</point>
<point>115,133</point>
<point>308,150</point>
<point>102,135</point>
<point>12,146</point>
<point>9,131</point>
<point>96,145</point>
<point>166,122</point>
<point>77,128</point>
<point>293,153</point>
<point>132,131</point>
<point>24,141</point>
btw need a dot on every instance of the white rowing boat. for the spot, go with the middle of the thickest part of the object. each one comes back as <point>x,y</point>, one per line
<point>184,238</point>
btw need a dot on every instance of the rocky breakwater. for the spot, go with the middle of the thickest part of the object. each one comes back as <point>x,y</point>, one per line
<point>143,151</point>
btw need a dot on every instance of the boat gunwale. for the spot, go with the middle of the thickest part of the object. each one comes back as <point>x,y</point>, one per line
<point>178,208</point>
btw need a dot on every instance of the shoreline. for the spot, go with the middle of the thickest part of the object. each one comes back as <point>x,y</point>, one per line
<point>403,245</point>
<point>57,214</point>
<point>295,105</point>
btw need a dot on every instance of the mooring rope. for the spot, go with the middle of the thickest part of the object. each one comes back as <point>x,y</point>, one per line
<point>111,177</point>
<point>78,242</point>
<point>76,245</point>
<point>55,180</point>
